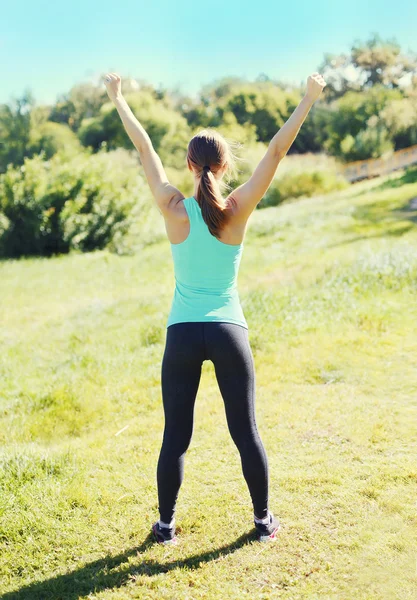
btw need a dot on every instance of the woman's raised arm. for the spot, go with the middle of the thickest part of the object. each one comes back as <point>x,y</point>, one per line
<point>162,190</point>
<point>249,194</point>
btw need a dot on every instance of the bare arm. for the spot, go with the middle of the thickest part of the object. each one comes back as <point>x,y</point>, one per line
<point>249,194</point>
<point>161,189</point>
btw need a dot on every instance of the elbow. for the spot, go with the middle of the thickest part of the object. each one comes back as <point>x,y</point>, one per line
<point>145,148</point>
<point>278,152</point>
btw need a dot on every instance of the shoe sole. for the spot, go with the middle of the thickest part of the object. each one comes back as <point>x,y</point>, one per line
<point>172,542</point>
<point>271,537</point>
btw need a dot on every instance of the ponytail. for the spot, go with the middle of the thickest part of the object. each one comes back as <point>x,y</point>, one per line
<point>211,203</point>
<point>212,150</point>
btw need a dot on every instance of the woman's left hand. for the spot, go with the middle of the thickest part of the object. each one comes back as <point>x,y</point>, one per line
<point>113,83</point>
<point>315,86</point>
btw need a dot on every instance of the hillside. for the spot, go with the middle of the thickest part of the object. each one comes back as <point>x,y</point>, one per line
<point>328,286</point>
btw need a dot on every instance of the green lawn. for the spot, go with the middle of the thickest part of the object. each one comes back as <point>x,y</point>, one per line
<point>328,286</point>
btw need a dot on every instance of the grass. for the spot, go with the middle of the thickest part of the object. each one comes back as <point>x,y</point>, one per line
<point>328,286</point>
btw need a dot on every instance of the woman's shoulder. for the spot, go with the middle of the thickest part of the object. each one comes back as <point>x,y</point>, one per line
<point>233,211</point>
<point>230,204</point>
<point>176,209</point>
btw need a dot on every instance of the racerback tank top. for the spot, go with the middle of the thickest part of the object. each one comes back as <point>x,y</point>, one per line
<point>206,271</point>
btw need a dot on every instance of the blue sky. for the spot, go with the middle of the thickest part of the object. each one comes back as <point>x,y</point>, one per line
<point>48,47</point>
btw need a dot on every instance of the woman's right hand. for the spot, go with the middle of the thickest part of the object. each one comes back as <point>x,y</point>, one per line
<point>315,85</point>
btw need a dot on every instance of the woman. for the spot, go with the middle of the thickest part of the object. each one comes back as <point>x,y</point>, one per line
<point>206,321</point>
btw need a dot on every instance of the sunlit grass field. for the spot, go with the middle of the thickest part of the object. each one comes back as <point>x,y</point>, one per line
<point>329,288</point>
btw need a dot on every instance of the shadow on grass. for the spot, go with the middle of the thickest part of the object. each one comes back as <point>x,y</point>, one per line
<point>375,213</point>
<point>115,572</point>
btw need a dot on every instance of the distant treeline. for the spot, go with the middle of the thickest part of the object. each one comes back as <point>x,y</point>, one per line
<point>50,180</point>
<point>369,107</point>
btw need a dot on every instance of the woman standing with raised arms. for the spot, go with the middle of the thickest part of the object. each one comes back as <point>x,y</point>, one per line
<point>206,321</point>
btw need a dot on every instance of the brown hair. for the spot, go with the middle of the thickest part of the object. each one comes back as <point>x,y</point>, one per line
<point>210,149</point>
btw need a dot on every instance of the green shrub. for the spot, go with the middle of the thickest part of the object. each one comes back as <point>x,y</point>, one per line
<point>296,184</point>
<point>51,138</point>
<point>84,202</point>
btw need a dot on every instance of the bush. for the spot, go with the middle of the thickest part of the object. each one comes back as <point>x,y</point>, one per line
<point>371,142</point>
<point>296,184</point>
<point>84,203</point>
<point>356,125</point>
<point>51,138</point>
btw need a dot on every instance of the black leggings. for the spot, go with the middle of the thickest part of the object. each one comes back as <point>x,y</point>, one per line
<point>227,346</point>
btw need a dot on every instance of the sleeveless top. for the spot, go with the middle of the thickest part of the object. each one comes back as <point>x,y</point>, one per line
<point>206,272</point>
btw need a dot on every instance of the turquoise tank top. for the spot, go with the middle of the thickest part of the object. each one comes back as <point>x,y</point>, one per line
<point>206,272</point>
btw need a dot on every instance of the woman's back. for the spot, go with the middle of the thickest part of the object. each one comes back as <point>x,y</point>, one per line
<point>206,271</point>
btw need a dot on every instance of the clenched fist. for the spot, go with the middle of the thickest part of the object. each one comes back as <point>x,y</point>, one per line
<point>113,84</point>
<point>315,85</point>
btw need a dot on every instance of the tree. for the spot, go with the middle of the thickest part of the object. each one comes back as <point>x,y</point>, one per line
<point>375,61</point>
<point>167,128</point>
<point>51,138</point>
<point>382,61</point>
<point>83,101</point>
<point>15,123</point>
<point>263,104</point>
<point>356,128</point>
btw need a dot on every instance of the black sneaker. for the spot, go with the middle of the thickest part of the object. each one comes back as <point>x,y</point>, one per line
<point>164,535</point>
<point>267,533</point>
